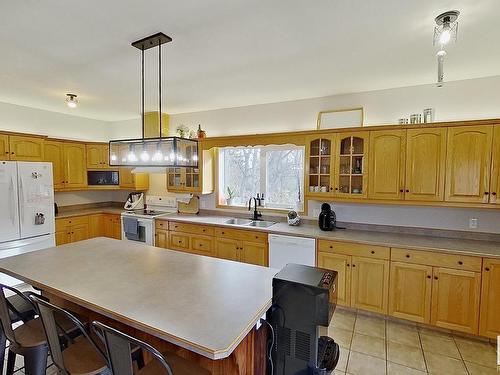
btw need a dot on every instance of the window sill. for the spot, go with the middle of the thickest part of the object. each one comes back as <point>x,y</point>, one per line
<point>259,208</point>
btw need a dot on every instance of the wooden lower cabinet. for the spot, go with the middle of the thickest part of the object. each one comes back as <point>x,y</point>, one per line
<point>410,292</point>
<point>369,284</point>
<point>228,248</point>
<point>161,238</point>
<point>342,264</point>
<point>489,320</point>
<point>178,241</point>
<point>72,230</point>
<point>254,253</point>
<point>112,226</point>
<point>455,299</point>
<point>96,225</point>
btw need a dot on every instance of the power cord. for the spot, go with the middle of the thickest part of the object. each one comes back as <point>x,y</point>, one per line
<point>269,355</point>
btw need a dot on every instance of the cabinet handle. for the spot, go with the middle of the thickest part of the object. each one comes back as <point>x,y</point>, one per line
<point>348,265</point>
<point>435,277</point>
<point>256,237</point>
<point>12,153</point>
<point>407,255</point>
<point>401,190</point>
<point>494,193</point>
<point>354,265</point>
<point>6,152</point>
<point>460,262</point>
<point>223,233</point>
<point>486,268</point>
<point>407,191</point>
<point>203,230</point>
<point>373,251</point>
<point>428,276</point>
<point>336,188</point>
<point>331,247</point>
<point>486,193</point>
<point>179,241</point>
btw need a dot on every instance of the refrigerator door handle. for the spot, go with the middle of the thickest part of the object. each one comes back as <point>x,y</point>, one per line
<point>21,199</point>
<point>12,202</point>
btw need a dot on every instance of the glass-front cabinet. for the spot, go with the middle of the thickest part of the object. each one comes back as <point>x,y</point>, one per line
<point>185,178</point>
<point>351,164</point>
<point>336,165</point>
<point>319,165</point>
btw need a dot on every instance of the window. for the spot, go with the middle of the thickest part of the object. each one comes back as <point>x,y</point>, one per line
<point>276,171</point>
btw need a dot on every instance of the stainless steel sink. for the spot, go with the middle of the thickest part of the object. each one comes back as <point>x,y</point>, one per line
<point>235,221</point>
<point>261,223</point>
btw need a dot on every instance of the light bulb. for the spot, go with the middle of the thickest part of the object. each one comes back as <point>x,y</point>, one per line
<point>172,156</point>
<point>144,156</point>
<point>71,100</point>
<point>113,157</point>
<point>195,157</point>
<point>131,157</point>
<point>158,156</point>
<point>445,36</point>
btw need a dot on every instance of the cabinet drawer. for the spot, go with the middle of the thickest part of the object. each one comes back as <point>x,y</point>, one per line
<point>347,248</point>
<point>178,241</point>
<point>430,258</point>
<point>203,245</point>
<point>243,235</point>
<point>191,228</point>
<point>161,224</point>
<point>76,220</point>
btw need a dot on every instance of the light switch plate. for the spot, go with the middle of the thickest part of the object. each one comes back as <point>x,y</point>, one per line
<point>473,223</point>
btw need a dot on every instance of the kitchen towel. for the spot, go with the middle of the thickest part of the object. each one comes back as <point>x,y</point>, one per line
<point>131,228</point>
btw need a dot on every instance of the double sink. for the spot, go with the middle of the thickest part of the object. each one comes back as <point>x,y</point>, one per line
<point>250,223</point>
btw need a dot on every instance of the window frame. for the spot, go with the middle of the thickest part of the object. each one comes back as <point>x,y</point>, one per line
<point>263,177</point>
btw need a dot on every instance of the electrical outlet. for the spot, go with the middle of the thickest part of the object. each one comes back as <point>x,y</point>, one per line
<point>473,222</point>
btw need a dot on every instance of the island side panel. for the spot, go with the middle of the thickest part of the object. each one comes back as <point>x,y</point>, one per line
<point>249,357</point>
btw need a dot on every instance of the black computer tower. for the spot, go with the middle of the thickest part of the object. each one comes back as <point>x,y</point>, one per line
<point>304,298</point>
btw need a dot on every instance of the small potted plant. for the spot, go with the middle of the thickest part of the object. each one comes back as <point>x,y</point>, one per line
<point>229,196</point>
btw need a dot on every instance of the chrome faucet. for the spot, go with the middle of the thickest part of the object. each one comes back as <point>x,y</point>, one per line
<point>256,214</point>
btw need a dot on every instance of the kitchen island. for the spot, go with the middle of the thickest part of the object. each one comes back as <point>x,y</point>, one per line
<point>203,309</point>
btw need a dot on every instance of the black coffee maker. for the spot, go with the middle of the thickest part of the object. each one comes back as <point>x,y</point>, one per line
<point>327,219</point>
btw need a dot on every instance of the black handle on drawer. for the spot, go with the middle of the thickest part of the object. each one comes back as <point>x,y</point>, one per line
<point>487,269</point>
<point>428,276</point>
<point>460,262</point>
<point>435,277</point>
<point>373,251</point>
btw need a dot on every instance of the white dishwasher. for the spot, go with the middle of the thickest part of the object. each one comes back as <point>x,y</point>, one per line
<point>288,249</point>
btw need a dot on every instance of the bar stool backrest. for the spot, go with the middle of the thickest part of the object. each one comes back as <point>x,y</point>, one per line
<point>118,347</point>
<point>48,313</point>
<point>5,306</point>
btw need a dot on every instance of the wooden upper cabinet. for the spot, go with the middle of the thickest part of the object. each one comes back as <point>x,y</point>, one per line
<point>386,174</point>
<point>97,156</point>
<point>351,165</point>
<point>455,299</point>
<point>410,292</point>
<point>468,162</point>
<point>54,153</point>
<point>489,321</point>
<point>319,168</point>
<point>4,147</point>
<point>25,148</point>
<point>74,165</point>
<point>425,164</point>
<point>495,168</point>
<point>134,181</point>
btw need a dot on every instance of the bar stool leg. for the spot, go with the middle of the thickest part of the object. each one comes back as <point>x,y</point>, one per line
<point>3,344</point>
<point>35,361</point>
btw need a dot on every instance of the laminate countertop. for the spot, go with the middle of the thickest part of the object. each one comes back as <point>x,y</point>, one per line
<point>203,304</point>
<point>389,239</point>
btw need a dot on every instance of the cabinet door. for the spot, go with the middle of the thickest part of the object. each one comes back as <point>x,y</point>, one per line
<point>468,160</point>
<point>104,156</point>
<point>96,225</point>
<point>79,232</point>
<point>26,148</point>
<point>74,165</point>
<point>341,264</point>
<point>410,292</point>
<point>455,299</point>
<point>489,321</point>
<point>351,165</point>
<point>126,178</point>
<point>161,238</point>
<point>108,226</point>
<point>370,284</point>
<point>203,245</point>
<point>254,253</point>
<point>94,156</point>
<point>54,153</point>
<point>226,248</point>
<point>63,236</point>
<point>495,168</point>
<point>176,179</point>
<point>319,165</point>
<point>425,164</point>
<point>117,227</point>
<point>386,174</point>
<point>4,147</point>
<point>178,241</point>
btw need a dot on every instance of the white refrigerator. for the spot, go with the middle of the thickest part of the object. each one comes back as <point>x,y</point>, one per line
<point>27,220</point>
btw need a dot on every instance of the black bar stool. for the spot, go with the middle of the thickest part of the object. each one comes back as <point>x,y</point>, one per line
<point>119,361</point>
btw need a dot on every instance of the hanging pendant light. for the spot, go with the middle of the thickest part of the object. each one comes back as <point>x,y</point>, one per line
<point>445,31</point>
<point>153,152</point>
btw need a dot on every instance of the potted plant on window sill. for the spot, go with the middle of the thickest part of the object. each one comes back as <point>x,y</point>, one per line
<point>229,196</point>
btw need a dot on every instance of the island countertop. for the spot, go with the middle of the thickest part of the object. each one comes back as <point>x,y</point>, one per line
<point>203,304</point>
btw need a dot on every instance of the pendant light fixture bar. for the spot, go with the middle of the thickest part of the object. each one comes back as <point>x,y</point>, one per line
<point>153,152</point>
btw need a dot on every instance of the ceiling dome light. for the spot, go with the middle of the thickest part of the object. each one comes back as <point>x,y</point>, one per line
<point>71,100</point>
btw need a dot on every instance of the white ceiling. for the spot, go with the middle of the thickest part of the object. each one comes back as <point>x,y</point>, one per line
<point>228,53</point>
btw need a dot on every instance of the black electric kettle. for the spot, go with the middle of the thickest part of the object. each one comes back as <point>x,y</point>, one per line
<point>327,219</point>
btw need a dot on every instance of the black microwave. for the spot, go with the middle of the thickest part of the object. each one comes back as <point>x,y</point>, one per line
<point>103,178</point>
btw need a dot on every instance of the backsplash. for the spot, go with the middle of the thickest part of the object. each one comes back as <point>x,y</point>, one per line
<point>70,198</point>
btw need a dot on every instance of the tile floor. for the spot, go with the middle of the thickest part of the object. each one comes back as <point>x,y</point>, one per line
<point>372,345</point>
